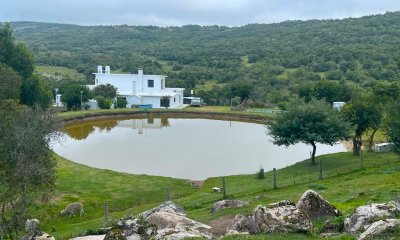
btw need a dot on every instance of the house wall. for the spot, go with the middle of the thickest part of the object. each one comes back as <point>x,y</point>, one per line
<point>133,100</point>
<point>155,101</point>
<point>178,100</point>
<point>123,82</point>
<point>157,83</point>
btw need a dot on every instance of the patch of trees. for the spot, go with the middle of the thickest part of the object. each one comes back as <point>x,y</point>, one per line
<point>27,165</point>
<point>278,57</point>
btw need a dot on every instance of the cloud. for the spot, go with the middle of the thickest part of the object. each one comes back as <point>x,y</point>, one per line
<point>182,12</point>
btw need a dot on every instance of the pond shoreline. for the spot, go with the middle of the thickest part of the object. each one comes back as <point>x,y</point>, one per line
<point>100,115</point>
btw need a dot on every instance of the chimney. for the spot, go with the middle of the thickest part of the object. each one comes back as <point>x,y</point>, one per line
<point>140,76</point>
<point>99,69</point>
<point>107,70</point>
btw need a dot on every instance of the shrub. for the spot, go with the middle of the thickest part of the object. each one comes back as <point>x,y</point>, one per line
<point>103,102</point>
<point>121,102</point>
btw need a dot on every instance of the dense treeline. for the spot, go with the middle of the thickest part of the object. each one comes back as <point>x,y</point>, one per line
<point>277,58</point>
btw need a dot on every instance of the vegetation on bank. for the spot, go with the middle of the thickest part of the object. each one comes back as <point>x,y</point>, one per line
<point>344,184</point>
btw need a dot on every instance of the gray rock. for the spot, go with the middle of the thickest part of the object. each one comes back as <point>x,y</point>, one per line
<point>281,219</point>
<point>33,232</point>
<point>281,204</point>
<point>90,237</point>
<point>272,220</point>
<point>173,226</point>
<point>228,204</point>
<point>315,206</point>
<point>367,214</point>
<point>380,227</point>
<point>165,207</point>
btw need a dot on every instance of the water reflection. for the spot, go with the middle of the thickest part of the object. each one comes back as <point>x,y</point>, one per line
<point>81,131</point>
<point>180,148</point>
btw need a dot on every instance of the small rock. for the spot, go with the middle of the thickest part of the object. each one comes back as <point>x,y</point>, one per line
<point>228,204</point>
<point>380,227</point>
<point>315,206</point>
<point>217,189</point>
<point>90,237</point>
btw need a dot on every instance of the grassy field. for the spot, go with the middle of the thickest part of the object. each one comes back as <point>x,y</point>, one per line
<point>344,184</point>
<point>57,72</point>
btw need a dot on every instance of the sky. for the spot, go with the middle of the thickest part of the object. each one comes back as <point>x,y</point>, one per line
<point>183,12</point>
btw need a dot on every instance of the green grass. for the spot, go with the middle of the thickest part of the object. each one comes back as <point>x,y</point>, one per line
<point>208,85</point>
<point>344,185</point>
<point>56,71</point>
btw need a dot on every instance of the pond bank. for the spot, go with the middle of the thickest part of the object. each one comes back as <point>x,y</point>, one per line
<point>214,113</point>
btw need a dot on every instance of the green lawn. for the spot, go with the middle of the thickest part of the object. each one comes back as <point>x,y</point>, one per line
<point>344,185</point>
<point>54,71</point>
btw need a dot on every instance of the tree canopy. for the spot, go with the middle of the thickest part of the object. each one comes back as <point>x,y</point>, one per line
<point>310,123</point>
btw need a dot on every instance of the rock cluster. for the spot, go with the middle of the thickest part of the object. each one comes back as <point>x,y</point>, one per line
<point>284,216</point>
<point>167,221</point>
<point>373,220</point>
<point>33,232</point>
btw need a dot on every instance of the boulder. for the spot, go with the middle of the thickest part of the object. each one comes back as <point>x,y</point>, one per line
<point>380,227</point>
<point>367,214</point>
<point>281,219</point>
<point>315,206</point>
<point>272,220</point>
<point>33,232</point>
<point>90,237</point>
<point>165,207</point>
<point>228,204</point>
<point>173,226</point>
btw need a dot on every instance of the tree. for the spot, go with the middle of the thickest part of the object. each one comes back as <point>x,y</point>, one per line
<point>310,123</point>
<point>27,164</point>
<point>71,95</point>
<point>105,90</point>
<point>363,114</point>
<point>165,101</point>
<point>10,83</point>
<point>391,125</point>
<point>35,91</point>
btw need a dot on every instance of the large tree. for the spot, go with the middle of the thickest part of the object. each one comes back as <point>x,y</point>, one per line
<point>391,124</point>
<point>27,165</point>
<point>10,83</point>
<point>71,95</point>
<point>105,90</point>
<point>363,113</point>
<point>310,123</point>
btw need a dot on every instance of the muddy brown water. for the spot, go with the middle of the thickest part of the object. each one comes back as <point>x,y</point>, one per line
<point>179,147</point>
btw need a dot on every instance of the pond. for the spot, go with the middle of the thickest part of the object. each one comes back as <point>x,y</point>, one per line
<point>179,147</point>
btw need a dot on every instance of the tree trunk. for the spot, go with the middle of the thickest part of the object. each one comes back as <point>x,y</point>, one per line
<point>313,152</point>
<point>371,140</point>
<point>356,145</point>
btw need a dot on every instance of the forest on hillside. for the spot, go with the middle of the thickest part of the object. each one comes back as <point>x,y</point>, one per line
<point>263,63</point>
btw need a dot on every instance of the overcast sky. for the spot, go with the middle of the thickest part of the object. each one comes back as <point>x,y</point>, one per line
<point>182,12</point>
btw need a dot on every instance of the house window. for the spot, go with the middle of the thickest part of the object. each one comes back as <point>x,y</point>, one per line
<point>174,99</point>
<point>150,83</point>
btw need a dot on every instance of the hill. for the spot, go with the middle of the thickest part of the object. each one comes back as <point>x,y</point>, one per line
<point>274,57</point>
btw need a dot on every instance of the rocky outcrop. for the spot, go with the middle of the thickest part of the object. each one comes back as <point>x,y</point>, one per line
<point>33,232</point>
<point>169,207</point>
<point>364,216</point>
<point>315,206</point>
<point>286,218</point>
<point>167,221</point>
<point>173,226</point>
<point>228,204</point>
<point>379,228</point>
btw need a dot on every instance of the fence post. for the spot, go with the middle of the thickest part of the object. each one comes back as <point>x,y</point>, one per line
<point>320,169</point>
<point>105,213</point>
<point>168,196</point>
<point>274,178</point>
<point>223,188</point>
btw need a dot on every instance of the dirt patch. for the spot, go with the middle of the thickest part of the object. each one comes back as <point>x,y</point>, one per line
<point>220,224</point>
<point>348,145</point>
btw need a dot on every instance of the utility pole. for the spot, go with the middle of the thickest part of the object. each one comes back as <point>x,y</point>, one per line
<point>81,99</point>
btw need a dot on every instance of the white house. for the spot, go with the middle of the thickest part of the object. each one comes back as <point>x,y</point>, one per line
<point>139,89</point>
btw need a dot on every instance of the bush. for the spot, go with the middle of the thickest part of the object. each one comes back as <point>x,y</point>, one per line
<point>260,174</point>
<point>103,102</point>
<point>121,102</point>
